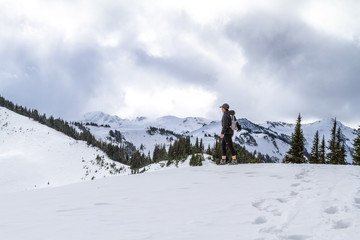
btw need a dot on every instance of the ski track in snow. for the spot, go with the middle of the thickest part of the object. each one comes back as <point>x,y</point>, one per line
<point>255,202</point>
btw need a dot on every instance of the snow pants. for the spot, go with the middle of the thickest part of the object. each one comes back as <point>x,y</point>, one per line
<point>227,140</point>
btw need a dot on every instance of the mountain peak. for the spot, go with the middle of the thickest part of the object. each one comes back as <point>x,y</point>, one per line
<point>101,118</point>
<point>141,118</point>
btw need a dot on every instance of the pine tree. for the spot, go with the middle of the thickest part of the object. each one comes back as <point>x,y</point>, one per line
<point>201,146</point>
<point>331,155</point>
<point>342,154</point>
<point>315,154</point>
<point>159,153</point>
<point>196,147</point>
<point>356,154</point>
<point>156,153</point>
<point>164,154</point>
<point>337,151</point>
<point>216,153</point>
<point>296,151</point>
<point>340,148</point>
<point>322,153</point>
<point>208,151</point>
<point>136,161</point>
<point>196,160</point>
<point>188,146</point>
<point>258,158</point>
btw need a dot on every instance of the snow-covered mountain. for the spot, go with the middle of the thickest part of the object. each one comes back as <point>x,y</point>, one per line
<point>271,138</point>
<point>145,133</point>
<point>33,155</point>
<point>324,127</point>
<point>175,124</point>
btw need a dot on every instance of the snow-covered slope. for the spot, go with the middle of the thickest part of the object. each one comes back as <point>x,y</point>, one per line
<point>33,155</point>
<point>250,202</point>
<point>143,132</point>
<point>271,138</point>
<point>172,123</point>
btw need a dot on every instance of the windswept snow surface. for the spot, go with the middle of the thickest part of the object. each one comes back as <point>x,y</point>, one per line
<point>249,202</point>
<point>33,155</point>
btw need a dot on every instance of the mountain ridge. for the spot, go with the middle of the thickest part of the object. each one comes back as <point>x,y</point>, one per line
<point>271,138</point>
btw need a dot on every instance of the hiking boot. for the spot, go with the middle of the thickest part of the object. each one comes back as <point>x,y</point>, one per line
<point>234,161</point>
<point>222,161</point>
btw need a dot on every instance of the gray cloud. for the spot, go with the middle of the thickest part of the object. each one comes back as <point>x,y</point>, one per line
<point>317,68</point>
<point>59,84</point>
<point>60,77</point>
<point>186,69</point>
<point>290,67</point>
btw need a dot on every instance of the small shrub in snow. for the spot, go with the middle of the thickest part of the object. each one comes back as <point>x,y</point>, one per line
<point>169,162</point>
<point>196,160</point>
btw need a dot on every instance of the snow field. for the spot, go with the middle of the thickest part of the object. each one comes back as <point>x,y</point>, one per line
<point>262,201</point>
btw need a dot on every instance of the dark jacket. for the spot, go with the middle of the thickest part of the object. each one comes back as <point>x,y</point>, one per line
<point>226,122</point>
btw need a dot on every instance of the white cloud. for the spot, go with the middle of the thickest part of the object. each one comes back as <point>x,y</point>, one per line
<point>338,18</point>
<point>154,101</point>
<point>143,92</point>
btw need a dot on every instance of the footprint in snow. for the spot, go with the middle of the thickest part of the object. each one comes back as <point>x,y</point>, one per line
<point>272,229</point>
<point>276,213</point>
<point>306,189</point>
<point>282,200</point>
<point>302,174</point>
<point>357,202</point>
<point>293,193</point>
<point>102,204</point>
<point>299,176</point>
<point>331,210</point>
<point>70,210</point>
<point>342,224</point>
<point>260,220</point>
<point>297,237</point>
<point>257,204</point>
<point>306,181</point>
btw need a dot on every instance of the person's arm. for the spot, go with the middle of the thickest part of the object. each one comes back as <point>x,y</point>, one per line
<point>225,125</point>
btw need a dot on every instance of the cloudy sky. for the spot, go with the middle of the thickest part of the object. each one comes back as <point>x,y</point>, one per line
<point>269,60</point>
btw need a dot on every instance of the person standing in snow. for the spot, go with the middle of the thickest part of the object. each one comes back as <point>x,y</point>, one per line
<point>227,134</point>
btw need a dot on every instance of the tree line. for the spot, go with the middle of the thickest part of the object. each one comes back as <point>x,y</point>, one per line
<point>114,152</point>
<point>332,153</point>
<point>182,147</point>
<point>178,150</point>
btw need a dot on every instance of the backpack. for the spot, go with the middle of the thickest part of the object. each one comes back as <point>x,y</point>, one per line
<point>235,126</point>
